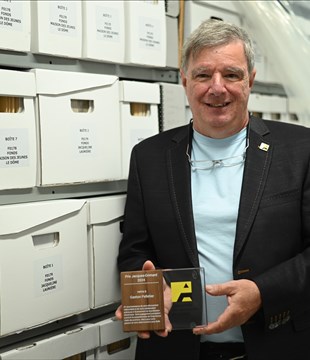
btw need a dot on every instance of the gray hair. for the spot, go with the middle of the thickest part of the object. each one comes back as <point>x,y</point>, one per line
<point>212,33</point>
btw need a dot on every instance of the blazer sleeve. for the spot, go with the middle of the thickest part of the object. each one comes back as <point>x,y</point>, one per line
<point>285,285</point>
<point>135,247</point>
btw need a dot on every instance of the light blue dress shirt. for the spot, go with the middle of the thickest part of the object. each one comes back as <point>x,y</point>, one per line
<point>215,196</point>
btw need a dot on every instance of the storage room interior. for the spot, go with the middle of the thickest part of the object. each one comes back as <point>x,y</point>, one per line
<point>82,82</point>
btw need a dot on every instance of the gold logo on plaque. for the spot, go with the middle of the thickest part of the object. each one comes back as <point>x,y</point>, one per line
<point>181,291</point>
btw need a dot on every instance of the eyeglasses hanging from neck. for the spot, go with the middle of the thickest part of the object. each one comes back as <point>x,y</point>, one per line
<point>216,163</point>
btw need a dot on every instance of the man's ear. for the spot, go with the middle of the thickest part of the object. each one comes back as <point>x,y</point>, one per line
<point>183,78</point>
<point>252,77</point>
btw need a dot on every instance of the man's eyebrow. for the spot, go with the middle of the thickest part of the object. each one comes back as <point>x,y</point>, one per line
<point>233,69</point>
<point>199,70</point>
<point>236,70</point>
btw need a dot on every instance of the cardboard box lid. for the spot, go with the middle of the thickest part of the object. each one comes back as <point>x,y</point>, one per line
<point>111,330</point>
<point>17,83</point>
<point>141,92</point>
<point>106,209</point>
<point>56,82</point>
<point>81,338</point>
<point>17,218</point>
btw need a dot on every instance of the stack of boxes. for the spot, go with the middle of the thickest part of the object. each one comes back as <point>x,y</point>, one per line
<point>101,339</point>
<point>124,32</point>
<point>62,128</point>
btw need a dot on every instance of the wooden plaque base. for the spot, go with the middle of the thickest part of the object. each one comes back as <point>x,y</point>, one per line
<point>142,300</point>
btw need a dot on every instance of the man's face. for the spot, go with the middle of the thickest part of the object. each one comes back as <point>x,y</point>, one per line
<point>218,85</point>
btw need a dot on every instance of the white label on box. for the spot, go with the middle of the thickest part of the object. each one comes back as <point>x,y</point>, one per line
<point>11,15</point>
<point>107,24</point>
<point>63,18</point>
<point>14,148</point>
<point>149,34</point>
<point>85,142</point>
<point>48,275</point>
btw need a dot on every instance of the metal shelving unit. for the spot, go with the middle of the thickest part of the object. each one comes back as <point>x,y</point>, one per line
<point>25,61</point>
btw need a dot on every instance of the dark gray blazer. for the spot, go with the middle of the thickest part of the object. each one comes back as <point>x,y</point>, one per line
<point>272,245</point>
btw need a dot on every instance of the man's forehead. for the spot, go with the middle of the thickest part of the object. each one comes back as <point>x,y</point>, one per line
<point>236,46</point>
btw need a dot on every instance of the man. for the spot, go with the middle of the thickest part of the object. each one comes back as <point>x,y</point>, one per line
<point>231,193</point>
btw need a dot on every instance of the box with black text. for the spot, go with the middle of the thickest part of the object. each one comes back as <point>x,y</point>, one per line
<point>18,140</point>
<point>43,263</point>
<point>79,125</point>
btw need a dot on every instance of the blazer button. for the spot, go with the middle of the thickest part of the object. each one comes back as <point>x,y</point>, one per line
<point>285,319</point>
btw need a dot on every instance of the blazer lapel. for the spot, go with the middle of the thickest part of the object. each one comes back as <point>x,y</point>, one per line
<point>256,170</point>
<point>180,190</point>
<point>255,174</point>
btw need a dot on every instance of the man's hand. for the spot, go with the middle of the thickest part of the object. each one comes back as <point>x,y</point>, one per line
<point>148,265</point>
<point>244,300</point>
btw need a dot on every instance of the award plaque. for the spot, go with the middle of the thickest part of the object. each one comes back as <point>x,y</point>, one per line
<point>143,300</point>
<point>147,293</point>
<point>188,297</point>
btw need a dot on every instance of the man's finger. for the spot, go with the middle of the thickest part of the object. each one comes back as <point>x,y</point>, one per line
<point>148,265</point>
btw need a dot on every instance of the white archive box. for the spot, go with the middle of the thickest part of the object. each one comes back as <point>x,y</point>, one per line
<point>172,59</point>
<point>104,30</point>
<point>114,343</point>
<point>18,152</point>
<point>139,116</point>
<point>56,27</point>
<point>268,103</point>
<point>15,25</point>
<point>72,341</point>
<point>145,29</point>
<point>79,127</point>
<point>196,11</point>
<point>43,263</point>
<point>105,217</point>
<point>172,106</point>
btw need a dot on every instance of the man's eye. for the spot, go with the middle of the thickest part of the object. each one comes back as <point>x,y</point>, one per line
<point>232,76</point>
<point>203,76</point>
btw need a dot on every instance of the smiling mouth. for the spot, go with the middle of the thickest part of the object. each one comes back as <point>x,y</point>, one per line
<point>218,105</point>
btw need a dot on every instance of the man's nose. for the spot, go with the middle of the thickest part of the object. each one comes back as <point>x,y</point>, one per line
<point>217,85</point>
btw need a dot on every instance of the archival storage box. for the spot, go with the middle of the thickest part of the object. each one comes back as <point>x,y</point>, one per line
<point>105,219</point>
<point>145,29</point>
<point>104,30</point>
<point>72,341</point>
<point>15,25</point>
<point>114,343</point>
<point>172,56</point>
<point>43,263</point>
<point>79,127</point>
<point>56,27</point>
<point>18,152</point>
<point>197,11</point>
<point>139,116</point>
<point>268,104</point>
<point>172,109</point>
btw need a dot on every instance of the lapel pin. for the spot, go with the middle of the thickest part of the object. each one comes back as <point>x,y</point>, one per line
<point>263,146</point>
